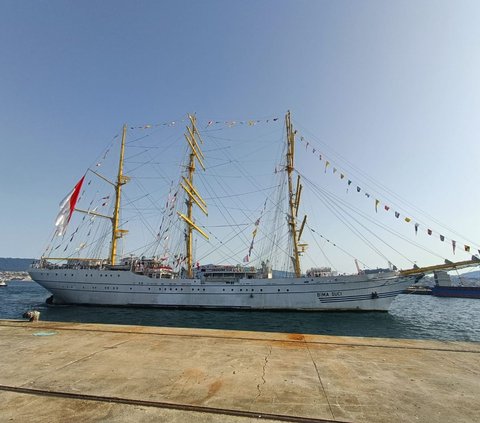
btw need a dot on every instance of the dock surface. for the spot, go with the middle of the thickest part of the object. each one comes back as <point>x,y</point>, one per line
<point>56,372</point>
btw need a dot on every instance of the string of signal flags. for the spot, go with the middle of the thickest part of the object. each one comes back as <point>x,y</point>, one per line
<point>209,123</point>
<point>328,165</point>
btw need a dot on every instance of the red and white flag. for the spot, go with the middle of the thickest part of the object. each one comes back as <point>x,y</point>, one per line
<point>66,208</point>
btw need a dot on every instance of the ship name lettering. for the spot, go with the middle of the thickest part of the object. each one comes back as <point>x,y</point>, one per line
<point>329,294</point>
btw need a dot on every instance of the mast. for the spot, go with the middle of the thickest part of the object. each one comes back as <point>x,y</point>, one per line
<point>294,199</point>
<point>193,197</point>
<point>121,180</point>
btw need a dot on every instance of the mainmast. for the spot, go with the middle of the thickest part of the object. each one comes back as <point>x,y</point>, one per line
<point>121,180</point>
<point>193,197</point>
<point>294,199</point>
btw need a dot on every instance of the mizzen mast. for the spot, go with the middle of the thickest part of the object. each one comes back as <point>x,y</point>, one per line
<point>193,197</point>
<point>294,199</point>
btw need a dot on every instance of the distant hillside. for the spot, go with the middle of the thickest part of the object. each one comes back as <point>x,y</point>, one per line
<point>472,275</point>
<point>14,264</point>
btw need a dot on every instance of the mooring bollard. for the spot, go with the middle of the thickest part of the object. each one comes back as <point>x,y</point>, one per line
<point>32,315</point>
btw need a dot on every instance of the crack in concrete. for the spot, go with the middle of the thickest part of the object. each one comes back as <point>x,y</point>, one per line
<point>320,380</point>
<point>92,354</point>
<point>30,382</point>
<point>259,389</point>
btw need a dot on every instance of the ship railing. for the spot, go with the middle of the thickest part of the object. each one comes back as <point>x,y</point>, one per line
<point>70,263</point>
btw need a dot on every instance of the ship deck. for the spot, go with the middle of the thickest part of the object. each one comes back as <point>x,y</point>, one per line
<point>56,372</point>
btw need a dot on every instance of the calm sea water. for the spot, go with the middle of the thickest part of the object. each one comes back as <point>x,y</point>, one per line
<point>410,316</point>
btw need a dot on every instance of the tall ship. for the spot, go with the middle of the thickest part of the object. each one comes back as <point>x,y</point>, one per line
<point>172,275</point>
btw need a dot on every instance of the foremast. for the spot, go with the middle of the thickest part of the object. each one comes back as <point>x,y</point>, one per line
<point>193,197</point>
<point>294,195</point>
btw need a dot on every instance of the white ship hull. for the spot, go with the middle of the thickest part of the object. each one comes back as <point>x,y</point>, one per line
<point>374,292</point>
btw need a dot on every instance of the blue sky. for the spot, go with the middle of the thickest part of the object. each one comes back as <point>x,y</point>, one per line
<point>391,86</point>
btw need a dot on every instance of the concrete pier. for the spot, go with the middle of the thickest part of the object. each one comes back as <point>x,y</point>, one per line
<point>56,372</point>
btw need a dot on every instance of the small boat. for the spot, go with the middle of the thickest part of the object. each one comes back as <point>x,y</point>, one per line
<point>419,290</point>
<point>3,283</point>
<point>444,288</point>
